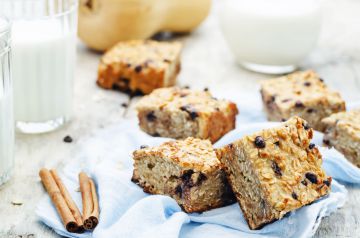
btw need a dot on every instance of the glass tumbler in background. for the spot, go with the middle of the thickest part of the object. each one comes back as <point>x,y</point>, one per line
<point>43,49</point>
<point>6,109</point>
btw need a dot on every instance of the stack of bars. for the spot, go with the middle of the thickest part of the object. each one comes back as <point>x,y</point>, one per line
<point>269,173</point>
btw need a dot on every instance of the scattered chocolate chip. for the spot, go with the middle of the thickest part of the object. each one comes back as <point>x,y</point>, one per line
<point>68,139</point>
<point>304,182</point>
<point>128,65</point>
<point>150,166</point>
<point>283,119</point>
<point>276,168</point>
<point>178,190</point>
<point>151,116</point>
<point>311,177</point>
<point>307,84</point>
<point>187,174</point>
<point>306,126</point>
<point>294,195</point>
<point>286,100</point>
<point>272,98</point>
<point>321,80</point>
<point>186,87</point>
<point>167,60</point>
<point>299,104</point>
<point>124,104</point>
<point>327,183</point>
<point>326,142</point>
<point>138,68</point>
<point>190,110</point>
<point>143,146</point>
<point>310,110</point>
<point>259,142</point>
<point>277,143</point>
<point>311,146</point>
<point>231,145</point>
<point>206,89</point>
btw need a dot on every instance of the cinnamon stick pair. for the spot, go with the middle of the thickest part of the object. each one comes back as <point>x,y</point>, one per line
<point>65,205</point>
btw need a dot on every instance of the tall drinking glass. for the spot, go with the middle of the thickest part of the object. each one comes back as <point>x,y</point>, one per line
<point>6,109</point>
<point>43,48</point>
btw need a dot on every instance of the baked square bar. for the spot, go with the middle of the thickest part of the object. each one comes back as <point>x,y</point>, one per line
<point>180,113</point>
<point>140,66</point>
<point>303,94</point>
<point>186,170</point>
<point>275,171</point>
<point>343,132</point>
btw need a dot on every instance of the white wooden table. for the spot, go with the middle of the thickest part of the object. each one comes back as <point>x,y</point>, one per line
<point>206,63</point>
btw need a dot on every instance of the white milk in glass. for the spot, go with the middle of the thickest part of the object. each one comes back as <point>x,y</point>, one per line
<point>43,71</point>
<point>6,115</point>
<point>277,33</point>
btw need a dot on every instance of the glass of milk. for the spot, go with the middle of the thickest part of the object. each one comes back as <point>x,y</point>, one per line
<point>6,109</point>
<point>43,50</point>
<point>270,36</point>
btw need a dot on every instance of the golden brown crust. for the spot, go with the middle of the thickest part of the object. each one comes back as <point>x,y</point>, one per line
<point>140,66</point>
<point>278,168</point>
<point>303,94</point>
<point>179,113</point>
<point>343,132</point>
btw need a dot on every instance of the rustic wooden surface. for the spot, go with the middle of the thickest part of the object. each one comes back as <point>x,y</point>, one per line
<point>206,63</point>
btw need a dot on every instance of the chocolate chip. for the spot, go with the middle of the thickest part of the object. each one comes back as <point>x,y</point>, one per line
<point>306,126</point>
<point>186,178</point>
<point>321,80</point>
<point>307,84</point>
<point>294,195</point>
<point>143,146</point>
<point>286,100</point>
<point>310,110</point>
<point>277,143</point>
<point>311,177</point>
<point>167,60</point>
<point>231,145</point>
<point>259,142</point>
<point>138,68</point>
<point>156,134</point>
<point>190,110</point>
<point>128,65</point>
<point>299,104</point>
<point>151,116</point>
<point>178,190</point>
<point>304,182</point>
<point>326,142</point>
<point>186,87</point>
<point>311,146</point>
<point>273,97</point>
<point>124,104</point>
<point>276,168</point>
<point>283,119</point>
<point>202,177</point>
<point>68,139</point>
<point>327,183</point>
<point>206,89</point>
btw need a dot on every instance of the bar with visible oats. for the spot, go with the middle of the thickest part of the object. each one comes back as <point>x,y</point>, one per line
<point>180,113</point>
<point>275,171</point>
<point>186,170</point>
<point>343,133</point>
<point>140,66</point>
<point>302,94</point>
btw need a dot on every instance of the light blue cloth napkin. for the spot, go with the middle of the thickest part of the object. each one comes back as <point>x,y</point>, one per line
<point>126,211</point>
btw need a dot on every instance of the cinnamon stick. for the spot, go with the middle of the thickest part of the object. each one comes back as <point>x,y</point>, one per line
<point>69,201</point>
<point>59,201</point>
<point>89,201</point>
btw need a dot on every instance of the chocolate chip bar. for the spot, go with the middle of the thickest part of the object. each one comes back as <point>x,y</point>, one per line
<point>186,170</point>
<point>303,94</point>
<point>275,171</point>
<point>180,113</point>
<point>139,67</point>
<point>343,133</point>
